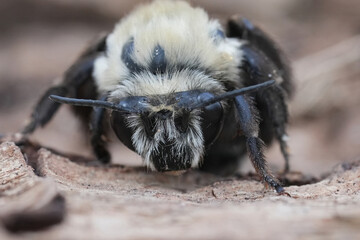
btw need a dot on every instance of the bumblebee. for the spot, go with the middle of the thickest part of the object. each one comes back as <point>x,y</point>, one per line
<point>180,90</point>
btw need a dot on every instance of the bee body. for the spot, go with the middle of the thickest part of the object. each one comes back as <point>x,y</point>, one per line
<point>180,90</point>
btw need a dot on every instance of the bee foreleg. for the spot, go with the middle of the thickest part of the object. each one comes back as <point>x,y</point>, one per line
<point>96,127</point>
<point>249,127</point>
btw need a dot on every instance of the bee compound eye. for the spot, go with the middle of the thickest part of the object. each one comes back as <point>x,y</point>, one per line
<point>212,121</point>
<point>120,126</point>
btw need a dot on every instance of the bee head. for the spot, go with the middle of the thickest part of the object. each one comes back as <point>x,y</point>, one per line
<point>170,131</point>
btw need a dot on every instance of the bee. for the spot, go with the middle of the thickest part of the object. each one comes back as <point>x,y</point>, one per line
<point>180,90</point>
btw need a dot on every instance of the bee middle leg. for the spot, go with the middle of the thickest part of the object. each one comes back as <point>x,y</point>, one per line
<point>45,109</point>
<point>76,75</point>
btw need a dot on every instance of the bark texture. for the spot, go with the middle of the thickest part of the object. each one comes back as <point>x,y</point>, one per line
<point>108,202</point>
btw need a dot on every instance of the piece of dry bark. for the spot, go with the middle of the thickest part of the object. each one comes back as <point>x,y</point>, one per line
<point>27,202</point>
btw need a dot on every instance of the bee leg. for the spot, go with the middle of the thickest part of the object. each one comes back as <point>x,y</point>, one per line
<point>263,61</point>
<point>97,142</point>
<point>258,68</point>
<point>274,100</point>
<point>249,127</point>
<point>44,109</point>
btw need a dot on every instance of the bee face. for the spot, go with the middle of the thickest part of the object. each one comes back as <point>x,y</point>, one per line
<point>169,138</point>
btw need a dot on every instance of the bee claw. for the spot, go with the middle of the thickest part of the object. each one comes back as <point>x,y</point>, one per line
<point>280,190</point>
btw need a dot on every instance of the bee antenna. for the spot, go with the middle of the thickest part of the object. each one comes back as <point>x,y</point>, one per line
<point>131,104</point>
<point>84,102</point>
<point>234,93</point>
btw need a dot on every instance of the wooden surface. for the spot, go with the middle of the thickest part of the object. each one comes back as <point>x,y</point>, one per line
<point>109,202</point>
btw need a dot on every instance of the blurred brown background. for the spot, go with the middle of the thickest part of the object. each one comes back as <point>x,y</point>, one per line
<point>39,39</point>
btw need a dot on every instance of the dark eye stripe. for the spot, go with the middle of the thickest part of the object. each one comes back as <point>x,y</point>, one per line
<point>158,61</point>
<point>126,57</point>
